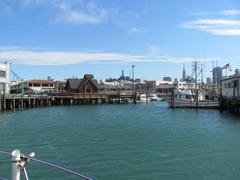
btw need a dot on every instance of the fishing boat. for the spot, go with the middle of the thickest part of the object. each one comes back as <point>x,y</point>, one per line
<point>187,99</point>
<point>154,97</point>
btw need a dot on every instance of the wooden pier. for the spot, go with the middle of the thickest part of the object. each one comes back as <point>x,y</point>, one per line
<point>14,102</point>
<point>231,105</point>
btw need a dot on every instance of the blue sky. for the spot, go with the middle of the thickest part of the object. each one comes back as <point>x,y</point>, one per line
<point>65,38</point>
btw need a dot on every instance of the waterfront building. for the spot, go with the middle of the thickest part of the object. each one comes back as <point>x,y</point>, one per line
<point>60,86</point>
<point>35,86</point>
<point>151,86</point>
<point>4,78</point>
<point>164,88</point>
<point>116,87</point>
<point>85,85</point>
<point>230,86</point>
<point>230,93</point>
<point>217,75</point>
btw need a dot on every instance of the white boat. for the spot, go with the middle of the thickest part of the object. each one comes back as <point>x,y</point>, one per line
<point>143,98</point>
<point>154,97</point>
<point>187,99</point>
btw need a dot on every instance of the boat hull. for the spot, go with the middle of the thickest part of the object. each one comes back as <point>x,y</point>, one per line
<point>192,104</point>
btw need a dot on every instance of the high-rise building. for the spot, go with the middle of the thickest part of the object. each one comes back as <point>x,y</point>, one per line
<point>167,79</point>
<point>209,80</point>
<point>184,73</point>
<point>4,78</point>
<point>217,75</point>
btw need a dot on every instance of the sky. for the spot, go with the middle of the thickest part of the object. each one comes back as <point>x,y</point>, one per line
<point>68,38</point>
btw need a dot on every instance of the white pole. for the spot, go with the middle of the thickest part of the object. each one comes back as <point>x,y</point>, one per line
<point>16,170</point>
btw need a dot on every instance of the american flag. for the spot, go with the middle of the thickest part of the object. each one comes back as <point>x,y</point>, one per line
<point>226,66</point>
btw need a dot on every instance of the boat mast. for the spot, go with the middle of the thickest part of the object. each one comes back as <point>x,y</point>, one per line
<point>201,76</point>
<point>196,76</point>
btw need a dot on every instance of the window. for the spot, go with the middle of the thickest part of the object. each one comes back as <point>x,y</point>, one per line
<point>225,85</point>
<point>2,88</point>
<point>235,84</point>
<point>36,85</point>
<point>229,85</point>
<point>2,73</point>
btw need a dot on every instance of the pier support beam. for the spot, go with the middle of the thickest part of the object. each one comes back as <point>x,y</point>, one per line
<point>21,103</point>
<point>14,104</point>
<point>4,104</point>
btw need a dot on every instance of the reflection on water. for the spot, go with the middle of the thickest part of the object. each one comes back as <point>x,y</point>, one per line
<point>125,141</point>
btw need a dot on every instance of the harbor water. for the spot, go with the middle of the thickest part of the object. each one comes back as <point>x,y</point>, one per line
<point>133,142</point>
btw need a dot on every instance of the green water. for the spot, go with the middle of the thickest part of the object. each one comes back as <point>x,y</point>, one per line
<point>125,142</point>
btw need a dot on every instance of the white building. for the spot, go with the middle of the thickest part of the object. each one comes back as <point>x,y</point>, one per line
<point>162,82</point>
<point>4,78</point>
<point>164,88</point>
<point>230,86</point>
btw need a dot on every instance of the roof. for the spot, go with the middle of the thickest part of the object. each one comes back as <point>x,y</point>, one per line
<point>74,83</point>
<point>39,81</point>
<point>78,83</point>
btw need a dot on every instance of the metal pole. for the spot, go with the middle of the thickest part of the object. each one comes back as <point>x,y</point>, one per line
<point>133,78</point>
<point>22,87</point>
<point>16,169</point>
<point>201,76</point>
<point>196,85</point>
<point>133,88</point>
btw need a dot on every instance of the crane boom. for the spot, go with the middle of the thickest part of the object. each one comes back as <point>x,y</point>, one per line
<point>22,82</point>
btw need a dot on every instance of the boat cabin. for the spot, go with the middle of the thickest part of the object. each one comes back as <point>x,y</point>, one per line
<point>185,95</point>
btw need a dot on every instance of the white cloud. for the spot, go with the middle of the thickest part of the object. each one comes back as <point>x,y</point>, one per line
<point>34,57</point>
<point>70,11</point>
<point>225,27</point>
<point>219,23</point>
<point>135,30</point>
<point>79,13</point>
<point>231,12</point>
<point>225,32</point>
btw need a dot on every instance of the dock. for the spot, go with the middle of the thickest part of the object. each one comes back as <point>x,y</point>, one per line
<point>17,102</point>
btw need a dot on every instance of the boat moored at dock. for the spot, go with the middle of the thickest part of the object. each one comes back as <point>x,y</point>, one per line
<point>187,99</point>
